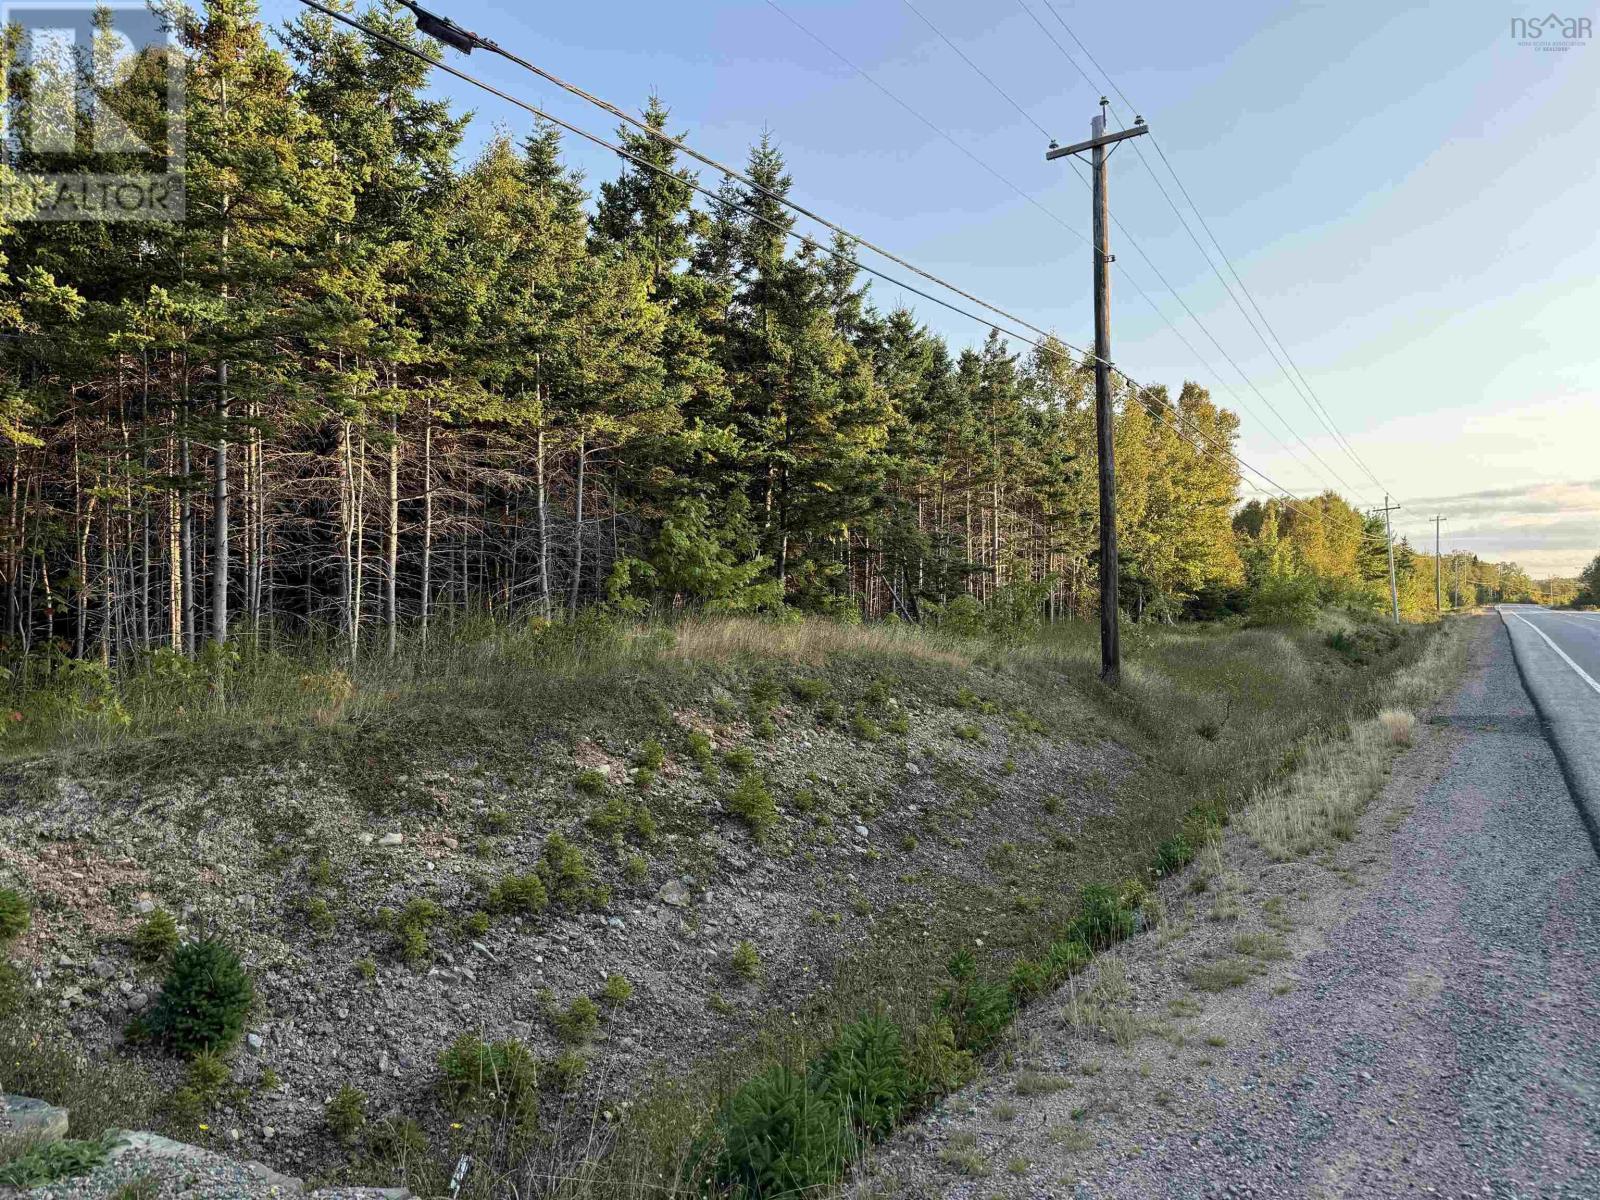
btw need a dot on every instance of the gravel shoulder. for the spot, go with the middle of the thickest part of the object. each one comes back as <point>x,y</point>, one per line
<point>1417,1012</point>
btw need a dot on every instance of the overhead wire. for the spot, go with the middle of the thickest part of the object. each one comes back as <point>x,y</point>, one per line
<point>1048,345</point>
<point>1064,224</point>
<point>1286,363</point>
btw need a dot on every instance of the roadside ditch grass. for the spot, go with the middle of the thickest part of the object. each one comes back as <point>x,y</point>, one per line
<point>1145,1023</point>
<point>1206,719</point>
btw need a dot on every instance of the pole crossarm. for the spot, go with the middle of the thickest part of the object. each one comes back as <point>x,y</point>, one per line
<point>1104,139</point>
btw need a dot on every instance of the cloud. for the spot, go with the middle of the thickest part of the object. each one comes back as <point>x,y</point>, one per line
<point>1548,528</point>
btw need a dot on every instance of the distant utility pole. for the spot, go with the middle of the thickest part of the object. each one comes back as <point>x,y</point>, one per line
<point>1438,602</point>
<point>1388,531</point>
<point>1099,139</point>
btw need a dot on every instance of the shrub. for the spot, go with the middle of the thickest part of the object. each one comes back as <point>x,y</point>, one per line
<point>700,748</point>
<point>15,916</point>
<point>590,782</point>
<point>1173,855</point>
<point>318,916</point>
<point>745,961</point>
<point>566,873</point>
<point>346,1113</point>
<point>519,894</point>
<point>780,1137</point>
<point>739,760</point>
<point>864,727</point>
<point>864,1071</point>
<point>617,991</point>
<point>968,733</point>
<point>497,1079</point>
<point>644,824</point>
<point>1285,600</point>
<point>578,1021</point>
<point>412,926</point>
<point>935,1064</point>
<point>809,690</point>
<point>156,937</point>
<point>643,778</point>
<point>611,817</point>
<point>476,924</point>
<point>652,755</point>
<point>636,869</point>
<point>1028,979</point>
<point>1102,919</point>
<point>564,1072</point>
<point>203,1002</point>
<point>753,802</point>
<point>496,820</point>
<point>899,725</point>
<point>979,1012</point>
<point>1064,958</point>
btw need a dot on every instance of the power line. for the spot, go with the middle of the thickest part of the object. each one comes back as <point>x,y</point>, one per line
<point>1047,346</point>
<point>1064,224</point>
<point>1292,369</point>
<point>1193,316</point>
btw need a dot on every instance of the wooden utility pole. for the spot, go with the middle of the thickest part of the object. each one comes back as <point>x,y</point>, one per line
<point>1438,601</point>
<point>1099,139</point>
<point>1388,530</point>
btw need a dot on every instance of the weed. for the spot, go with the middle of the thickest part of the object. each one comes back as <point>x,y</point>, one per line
<point>611,817</point>
<point>1399,726</point>
<point>140,1187</point>
<point>908,842</point>
<point>809,690</point>
<point>700,748</point>
<point>366,968</point>
<point>968,733</point>
<point>497,1079</point>
<point>1018,1166</point>
<point>739,760</point>
<point>346,1113</point>
<point>590,782</point>
<point>652,755</point>
<point>564,1072</point>
<point>1053,805</point>
<point>495,820</point>
<point>1004,1111</point>
<point>1263,946</point>
<point>864,727</point>
<point>567,876</point>
<point>899,725</point>
<point>1103,920</point>
<point>476,924</point>
<point>578,1021</point>
<point>752,802</point>
<point>1172,856</point>
<point>15,915</point>
<point>318,916</point>
<point>1033,1083</point>
<point>412,927</point>
<point>1216,1040</point>
<point>745,962</point>
<point>49,1161</point>
<point>636,869</point>
<point>617,991</point>
<point>1221,974</point>
<point>208,1074</point>
<point>156,937</point>
<point>1073,1138</point>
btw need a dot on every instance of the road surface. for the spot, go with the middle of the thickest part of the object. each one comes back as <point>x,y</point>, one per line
<point>1558,654</point>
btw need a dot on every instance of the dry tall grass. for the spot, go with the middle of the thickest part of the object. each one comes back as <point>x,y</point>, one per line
<point>1320,803</point>
<point>809,640</point>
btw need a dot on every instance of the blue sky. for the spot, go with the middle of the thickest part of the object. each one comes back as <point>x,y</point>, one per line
<point>1411,197</point>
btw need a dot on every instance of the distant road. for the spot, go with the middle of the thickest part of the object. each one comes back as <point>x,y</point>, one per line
<point>1558,654</point>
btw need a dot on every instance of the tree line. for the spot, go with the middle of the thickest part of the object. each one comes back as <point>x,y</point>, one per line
<point>365,386</point>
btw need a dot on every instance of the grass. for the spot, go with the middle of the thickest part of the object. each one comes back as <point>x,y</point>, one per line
<point>486,687</point>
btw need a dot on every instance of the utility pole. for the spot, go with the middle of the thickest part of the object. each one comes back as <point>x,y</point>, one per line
<point>1099,139</point>
<point>1388,531</point>
<point>1438,602</point>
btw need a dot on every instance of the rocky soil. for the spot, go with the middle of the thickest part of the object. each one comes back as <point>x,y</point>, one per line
<point>877,837</point>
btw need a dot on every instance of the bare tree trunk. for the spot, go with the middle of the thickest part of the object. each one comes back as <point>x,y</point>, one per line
<point>427,519</point>
<point>577,528</point>
<point>219,515</point>
<point>544,525</point>
<point>186,540</point>
<point>392,548</point>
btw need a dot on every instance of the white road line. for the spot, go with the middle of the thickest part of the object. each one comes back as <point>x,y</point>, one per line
<point>1582,674</point>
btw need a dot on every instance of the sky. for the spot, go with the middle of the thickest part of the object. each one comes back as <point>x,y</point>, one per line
<point>1409,194</point>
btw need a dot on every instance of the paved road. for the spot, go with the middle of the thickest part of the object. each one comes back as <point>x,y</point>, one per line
<point>1558,654</point>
